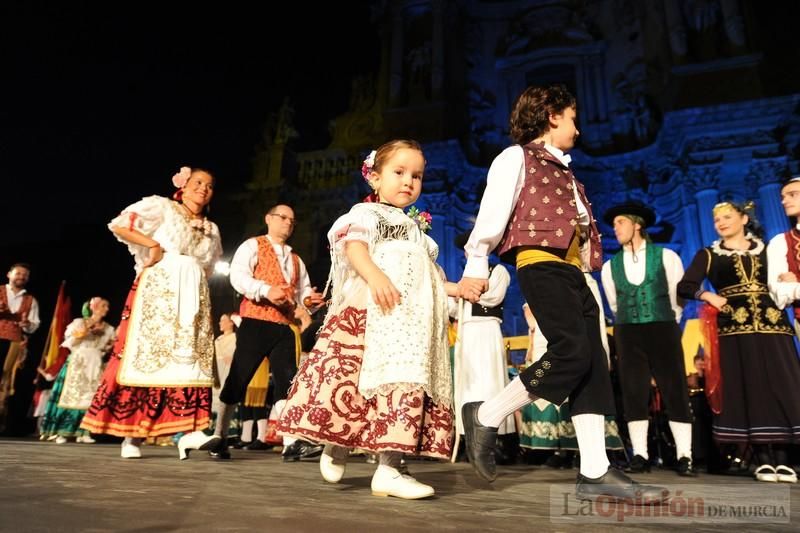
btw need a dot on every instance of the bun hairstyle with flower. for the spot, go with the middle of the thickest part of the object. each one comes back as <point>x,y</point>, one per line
<point>181,178</point>
<point>86,308</point>
<point>753,227</point>
<point>375,160</point>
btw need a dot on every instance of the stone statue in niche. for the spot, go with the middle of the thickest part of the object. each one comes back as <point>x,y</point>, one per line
<point>703,18</point>
<point>485,136</point>
<point>419,73</point>
<point>285,129</point>
<point>634,114</point>
<point>517,39</point>
<point>701,15</point>
<point>362,93</point>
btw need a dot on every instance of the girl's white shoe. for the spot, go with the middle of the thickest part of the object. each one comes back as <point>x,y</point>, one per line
<point>129,449</point>
<point>85,439</point>
<point>785,474</point>
<point>332,468</point>
<point>61,439</point>
<point>766,473</point>
<point>388,481</point>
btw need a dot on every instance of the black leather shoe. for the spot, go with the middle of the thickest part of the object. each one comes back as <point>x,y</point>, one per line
<point>258,445</point>
<point>616,486</point>
<point>301,449</point>
<point>685,467</point>
<point>480,442</point>
<point>220,451</point>
<point>638,465</point>
<point>241,444</point>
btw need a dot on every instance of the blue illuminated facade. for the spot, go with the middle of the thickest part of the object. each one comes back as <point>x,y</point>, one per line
<point>681,104</point>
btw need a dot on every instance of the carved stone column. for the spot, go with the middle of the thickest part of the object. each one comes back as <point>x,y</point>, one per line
<point>676,30</point>
<point>704,179</point>
<point>437,59</point>
<point>734,24</point>
<point>439,206</point>
<point>767,174</point>
<point>396,69</point>
<point>691,241</point>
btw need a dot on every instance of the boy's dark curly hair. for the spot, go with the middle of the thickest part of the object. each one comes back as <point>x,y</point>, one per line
<point>531,114</point>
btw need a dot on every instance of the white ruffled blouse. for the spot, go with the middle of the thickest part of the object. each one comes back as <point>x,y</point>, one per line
<point>163,220</point>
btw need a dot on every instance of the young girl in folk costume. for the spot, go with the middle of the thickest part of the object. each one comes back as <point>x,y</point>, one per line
<point>379,377</point>
<point>158,380</point>
<point>88,339</point>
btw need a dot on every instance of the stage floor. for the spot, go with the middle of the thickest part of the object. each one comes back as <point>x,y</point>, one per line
<point>87,487</point>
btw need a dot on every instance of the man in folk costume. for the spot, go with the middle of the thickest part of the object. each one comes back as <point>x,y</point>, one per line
<point>537,215</point>
<point>277,292</point>
<point>480,369</point>
<point>783,255</point>
<point>19,317</point>
<point>19,311</point>
<point>640,283</point>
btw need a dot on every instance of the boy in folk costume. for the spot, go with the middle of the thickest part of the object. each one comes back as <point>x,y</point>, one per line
<point>537,215</point>
<point>640,283</point>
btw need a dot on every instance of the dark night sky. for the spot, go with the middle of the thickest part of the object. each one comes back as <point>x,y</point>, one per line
<point>102,104</point>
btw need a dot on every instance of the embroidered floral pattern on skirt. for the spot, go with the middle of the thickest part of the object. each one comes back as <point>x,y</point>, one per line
<point>324,403</point>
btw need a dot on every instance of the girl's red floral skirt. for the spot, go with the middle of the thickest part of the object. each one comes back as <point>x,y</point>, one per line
<point>324,404</point>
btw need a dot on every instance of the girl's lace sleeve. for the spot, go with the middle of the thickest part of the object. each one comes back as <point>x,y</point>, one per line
<point>357,225</point>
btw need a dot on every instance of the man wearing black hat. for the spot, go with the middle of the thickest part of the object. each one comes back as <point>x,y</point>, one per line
<point>480,370</point>
<point>640,283</point>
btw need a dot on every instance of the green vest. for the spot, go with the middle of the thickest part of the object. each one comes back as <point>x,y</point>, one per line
<point>648,302</point>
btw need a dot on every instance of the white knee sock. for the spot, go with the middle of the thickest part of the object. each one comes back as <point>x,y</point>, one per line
<point>590,429</point>
<point>638,432</point>
<point>261,425</point>
<point>247,431</point>
<point>682,433</point>
<point>494,411</point>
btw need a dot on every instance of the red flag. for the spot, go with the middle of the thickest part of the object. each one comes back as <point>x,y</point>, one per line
<point>54,355</point>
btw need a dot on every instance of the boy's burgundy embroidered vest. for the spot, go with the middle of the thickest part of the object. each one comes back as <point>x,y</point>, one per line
<point>268,270</point>
<point>793,260</point>
<point>9,327</point>
<point>546,214</point>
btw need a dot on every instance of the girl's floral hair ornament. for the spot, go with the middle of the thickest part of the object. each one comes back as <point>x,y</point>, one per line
<point>179,181</point>
<point>366,168</point>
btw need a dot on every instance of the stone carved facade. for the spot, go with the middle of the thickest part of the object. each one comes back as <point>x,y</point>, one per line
<point>673,110</point>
